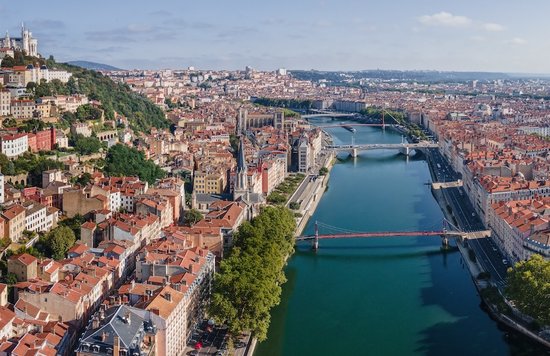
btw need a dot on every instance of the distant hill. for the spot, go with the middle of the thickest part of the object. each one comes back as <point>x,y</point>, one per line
<point>92,65</point>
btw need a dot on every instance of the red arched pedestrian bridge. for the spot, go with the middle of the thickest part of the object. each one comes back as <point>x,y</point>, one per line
<point>448,230</point>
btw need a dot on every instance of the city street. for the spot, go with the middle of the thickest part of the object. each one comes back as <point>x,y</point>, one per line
<point>465,217</point>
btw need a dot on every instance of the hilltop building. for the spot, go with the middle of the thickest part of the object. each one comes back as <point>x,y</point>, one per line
<point>25,43</point>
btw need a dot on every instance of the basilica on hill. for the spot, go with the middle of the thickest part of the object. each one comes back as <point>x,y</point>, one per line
<point>25,43</point>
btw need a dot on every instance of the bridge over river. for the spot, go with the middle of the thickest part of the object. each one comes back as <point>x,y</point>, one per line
<point>448,230</point>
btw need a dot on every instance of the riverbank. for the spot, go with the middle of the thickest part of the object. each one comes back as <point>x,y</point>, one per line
<point>519,325</point>
<point>309,200</point>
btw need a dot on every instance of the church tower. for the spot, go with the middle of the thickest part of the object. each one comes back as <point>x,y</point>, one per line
<point>24,39</point>
<point>241,178</point>
<point>7,40</point>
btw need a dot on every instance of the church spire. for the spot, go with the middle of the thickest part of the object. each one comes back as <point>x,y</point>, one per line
<point>7,40</point>
<point>241,179</point>
<point>241,159</point>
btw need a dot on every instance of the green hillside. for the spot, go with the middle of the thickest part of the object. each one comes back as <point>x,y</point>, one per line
<point>115,97</point>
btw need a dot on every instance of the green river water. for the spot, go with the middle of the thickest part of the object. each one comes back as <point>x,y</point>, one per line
<point>383,296</point>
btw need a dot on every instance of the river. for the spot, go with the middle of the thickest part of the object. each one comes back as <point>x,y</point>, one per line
<point>384,296</point>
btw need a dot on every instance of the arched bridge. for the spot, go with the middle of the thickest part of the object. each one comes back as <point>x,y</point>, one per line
<point>448,230</point>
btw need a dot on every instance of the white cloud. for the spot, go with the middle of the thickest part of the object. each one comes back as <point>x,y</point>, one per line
<point>445,19</point>
<point>517,41</point>
<point>493,27</point>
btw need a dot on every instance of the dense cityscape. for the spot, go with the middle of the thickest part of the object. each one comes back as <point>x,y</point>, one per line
<point>153,212</point>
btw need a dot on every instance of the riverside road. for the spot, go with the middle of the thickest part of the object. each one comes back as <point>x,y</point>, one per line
<point>488,254</point>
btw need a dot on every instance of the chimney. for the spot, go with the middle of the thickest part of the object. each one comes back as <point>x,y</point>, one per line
<point>103,336</point>
<point>127,318</point>
<point>95,323</point>
<point>168,297</point>
<point>116,346</point>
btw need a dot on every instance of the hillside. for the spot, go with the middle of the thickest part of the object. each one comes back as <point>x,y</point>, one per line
<point>92,65</point>
<point>142,114</point>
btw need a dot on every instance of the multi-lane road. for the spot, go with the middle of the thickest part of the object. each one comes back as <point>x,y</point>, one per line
<point>465,217</point>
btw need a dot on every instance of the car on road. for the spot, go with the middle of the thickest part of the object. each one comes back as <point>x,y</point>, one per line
<point>505,261</point>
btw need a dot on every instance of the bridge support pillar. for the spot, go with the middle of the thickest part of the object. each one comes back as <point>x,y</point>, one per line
<point>354,153</point>
<point>315,243</point>
<point>444,242</point>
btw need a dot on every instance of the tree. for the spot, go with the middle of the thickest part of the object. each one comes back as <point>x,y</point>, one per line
<point>8,62</point>
<point>83,179</point>
<point>30,87</point>
<point>73,223</point>
<point>529,288</point>
<point>294,205</point>
<point>19,58</point>
<point>88,112</point>
<point>32,125</point>
<point>87,145</point>
<point>11,278</point>
<point>249,282</point>
<point>58,241</point>
<point>323,171</point>
<point>122,160</point>
<point>192,216</point>
<point>9,122</point>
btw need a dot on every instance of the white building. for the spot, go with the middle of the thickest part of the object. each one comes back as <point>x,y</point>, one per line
<point>36,217</point>
<point>14,145</point>
<point>25,43</point>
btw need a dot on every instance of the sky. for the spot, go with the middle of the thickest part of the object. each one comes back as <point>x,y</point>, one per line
<point>461,35</point>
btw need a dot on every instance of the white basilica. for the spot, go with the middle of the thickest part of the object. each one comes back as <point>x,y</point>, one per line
<point>25,43</point>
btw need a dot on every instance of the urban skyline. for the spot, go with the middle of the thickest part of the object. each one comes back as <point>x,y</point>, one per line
<point>322,35</point>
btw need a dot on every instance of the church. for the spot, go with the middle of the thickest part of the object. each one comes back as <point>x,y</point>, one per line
<point>25,43</point>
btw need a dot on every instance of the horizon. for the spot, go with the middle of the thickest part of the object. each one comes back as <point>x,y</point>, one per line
<point>315,70</point>
<point>328,35</point>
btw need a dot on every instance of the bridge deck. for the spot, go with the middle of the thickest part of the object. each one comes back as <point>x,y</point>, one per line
<point>380,146</point>
<point>379,234</point>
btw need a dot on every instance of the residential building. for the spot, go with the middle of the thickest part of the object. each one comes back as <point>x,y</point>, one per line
<point>14,222</point>
<point>14,145</point>
<point>120,330</point>
<point>24,266</point>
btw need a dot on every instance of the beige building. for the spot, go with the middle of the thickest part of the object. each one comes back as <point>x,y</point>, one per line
<point>14,222</point>
<point>22,109</point>
<point>212,182</point>
<point>169,305</point>
<point>24,266</point>
<point>78,201</point>
<point>5,103</point>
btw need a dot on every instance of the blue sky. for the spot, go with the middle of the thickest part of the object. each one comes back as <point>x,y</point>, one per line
<point>464,35</point>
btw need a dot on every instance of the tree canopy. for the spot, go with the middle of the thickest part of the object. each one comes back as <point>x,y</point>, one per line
<point>57,242</point>
<point>28,163</point>
<point>529,288</point>
<point>8,62</point>
<point>87,145</point>
<point>249,282</point>
<point>122,160</point>
<point>73,223</point>
<point>192,216</point>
